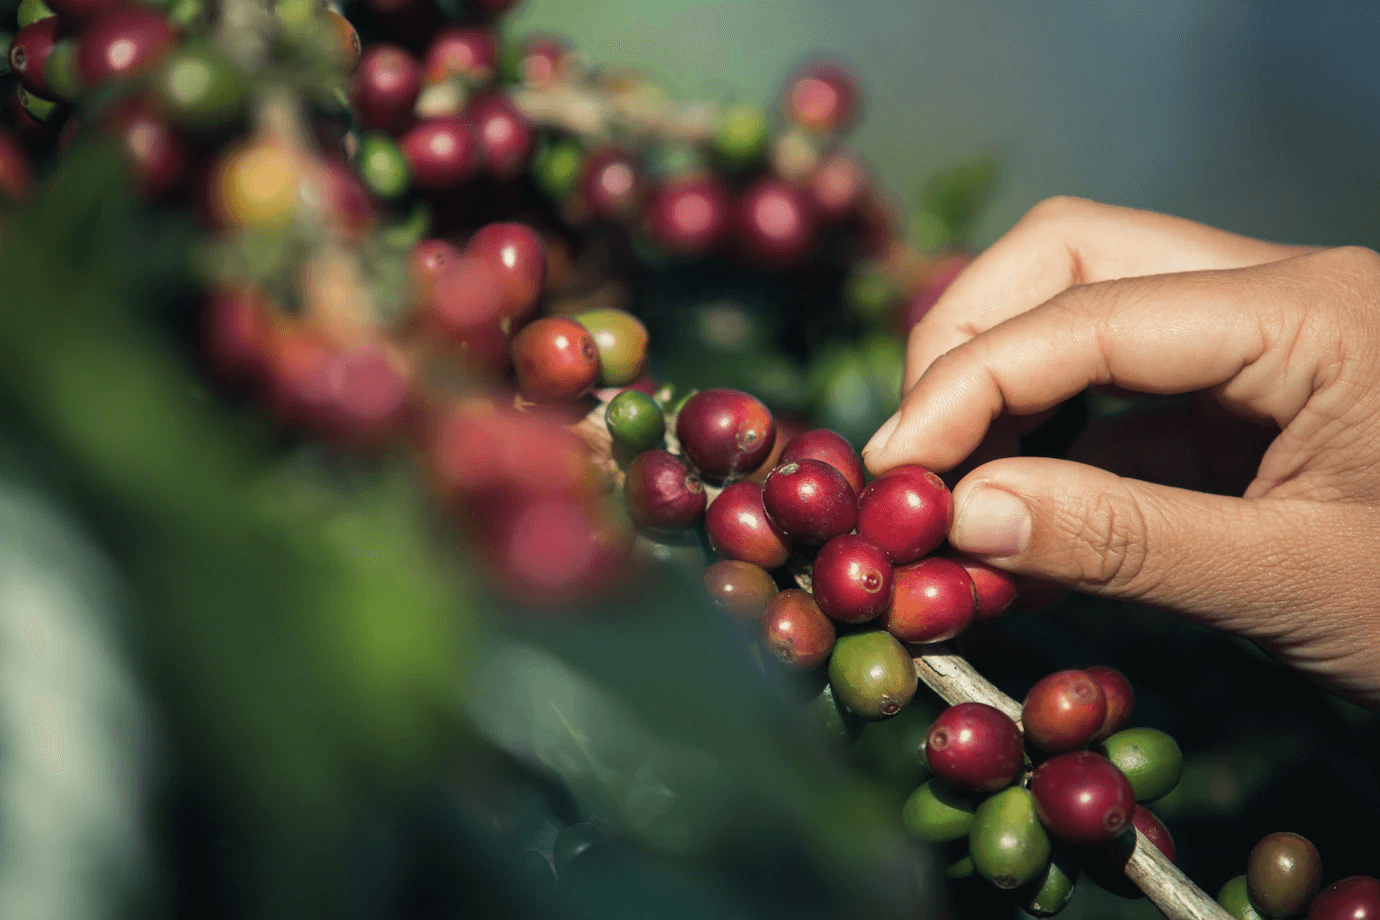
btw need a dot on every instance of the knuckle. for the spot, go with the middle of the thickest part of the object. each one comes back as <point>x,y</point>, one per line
<point>1057,209</point>
<point>1109,542</point>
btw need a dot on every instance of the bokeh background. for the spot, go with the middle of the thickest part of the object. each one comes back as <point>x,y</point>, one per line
<point>1262,118</point>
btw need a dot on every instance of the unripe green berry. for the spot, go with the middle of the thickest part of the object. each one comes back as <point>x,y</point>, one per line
<point>635,423</point>
<point>382,166</point>
<point>1150,759</point>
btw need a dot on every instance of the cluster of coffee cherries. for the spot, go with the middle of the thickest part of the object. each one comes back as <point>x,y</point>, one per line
<point>1283,875</point>
<point>1030,806</point>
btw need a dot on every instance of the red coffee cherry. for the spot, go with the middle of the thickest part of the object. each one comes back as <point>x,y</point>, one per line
<point>157,154</point>
<point>1354,898</point>
<point>370,391</point>
<point>738,527</point>
<point>610,183</point>
<point>907,512</point>
<point>776,225</point>
<point>725,432</point>
<point>1063,711</point>
<point>796,631</point>
<point>662,493</point>
<point>932,601</point>
<point>385,89</point>
<point>688,215</point>
<point>1082,798</point>
<point>543,61</point>
<point>427,262</point>
<point>975,747</point>
<point>852,579</point>
<point>1121,699</point>
<point>82,11</point>
<point>810,501</point>
<point>1283,873</point>
<point>740,588</point>
<point>468,296</point>
<point>236,329</point>
<point>823,98</point>
<point>828,447</point>
<point>506,137</point>
<point>995,589</point>
<point>556,359</point>
<point>123,44</point>
<point>15,175</point>
<point>839,185</point>
<point>471,54</point>
<point>29,52</point>
<point>517,250</point>
<point>441,153</point>
<point>553,552</point>
<point>1106,864</point>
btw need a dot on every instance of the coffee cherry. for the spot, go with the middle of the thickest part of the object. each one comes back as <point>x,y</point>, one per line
<point>200,88</point>
<point>344,200</point>
<point>738,527</point>
<point>60,72</point>
<point>1354,898</point>
<point>158,156</point>
<point>838,186</point>
<point>518,252</point>
<point>1063,711</point>
<point>739,588</point>
<point>369,389</point>
<point>796,631</point>
<point>610,183</point>
<point>29,52</point>
<point>1121,699</point>
<point>995,589</point>
<point>466,296</point>
<point>824,98</point>
<point>1048,894</point>
<point>933,600</point>
<point>428,261</point>
<point>1150,759</point>
<point>506,137</point>
<point>15,175</point>
<point>872,674</point>
<point>906,511</point>
<point>662,493</point>
<point>382,166</point>
<point>776,225</point>
<point>1082,798</point>
<point>549,552</point>
<point>256,184</point>
<point>852,579</point>
<point>1237,902</point>
<point>1106,864</point>
<point>828,447</point>
<point>810,501</point>
<point>542,61</point>
<point>344,40</point>
<point>635,423</point>
<point>123,44</point>
<point>470,54</point>
<point>557,167</point>
<point>235,333</point>
<point>81,11</point>
<point>938,813</point>
<point>31,11</point>
<point>622,342</point>
<point>441,153</point>
<point>688,215</point>
<point>1007,843</point>
<point>556,359</point>
<point>725,432</point>
<point>975,747</point>
<point>385,89</point>
<point>1283,874</point>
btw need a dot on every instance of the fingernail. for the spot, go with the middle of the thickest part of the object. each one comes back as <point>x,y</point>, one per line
<point>991,523</point>
<point>883,434</point>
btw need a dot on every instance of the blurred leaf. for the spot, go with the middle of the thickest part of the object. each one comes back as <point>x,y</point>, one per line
<point>948,207</point>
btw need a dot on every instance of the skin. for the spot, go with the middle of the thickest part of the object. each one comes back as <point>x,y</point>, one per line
<point>1254,510</point>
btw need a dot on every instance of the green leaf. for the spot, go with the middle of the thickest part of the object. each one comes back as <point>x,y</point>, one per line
<point>948,207</point>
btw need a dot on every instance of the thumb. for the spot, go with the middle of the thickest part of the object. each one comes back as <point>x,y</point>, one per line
<point>1094,531</point>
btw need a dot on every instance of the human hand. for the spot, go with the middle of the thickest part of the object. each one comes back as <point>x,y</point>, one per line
<point>1080,294</point>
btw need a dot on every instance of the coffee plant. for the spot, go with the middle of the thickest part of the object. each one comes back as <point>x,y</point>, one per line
<point>616,339</point>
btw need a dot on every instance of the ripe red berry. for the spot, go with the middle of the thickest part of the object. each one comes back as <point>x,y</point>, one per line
<point>906,511</point>
<point>740,588</point>
<point>776,225</point>
<point>975,747</point>
<point>297,378</point>
<point>157,153</point>
<point>688,215</point>
<point>82,11</point>
<point>1063,711</point>
<point>995,589</point>
<point>1354,898</point>
<point>556,359</point>
<point>506,137</point>
<point>1106,864</point>
<point>838,186</point>
<point>662,493</point>
<point>550,552</point>
<point>810,501</point>
<point>471,54</point>
<point>236,328</point>
<point>543,61</point>
<point>932,601</point>
<point>441,153</point>
<point>796,631</point>
<point>1283,873</point>
<point>427,262</point>
<point>29,52</point>
<point>345,200</point>
<point>725,432</point>
<point>385,89</point>
<point>468,295</point>
<point>829,447</point>
<point>1082,798</point>
<point>370,391</point>
<point>824,98</point>
<point>15,175</point>
<point>738,527</point>
<point>610,183</point>
<point>1121,699</point>
<point>851,579</point>
<point>123,44</point>
<point>517,251</point>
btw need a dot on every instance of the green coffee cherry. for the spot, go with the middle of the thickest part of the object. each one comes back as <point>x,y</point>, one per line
<point>556,168</point>
<point>31,11</point>
<point>200,88</point>
<point>872,674</point>
<point>1236,901</point>
<point>45,111</point>
<point>382,166</point>
<point>1009,845</point>
<point>960,862</point>
<point>1150,759</point>
<point>938,813</point>
<point>622,342</point>
<point>740,137</point>
<point>635,422</point>
<point>60,71</point>
<point>1051,893</point>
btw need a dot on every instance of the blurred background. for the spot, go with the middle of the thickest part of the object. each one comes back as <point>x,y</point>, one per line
<point>244,676</point>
